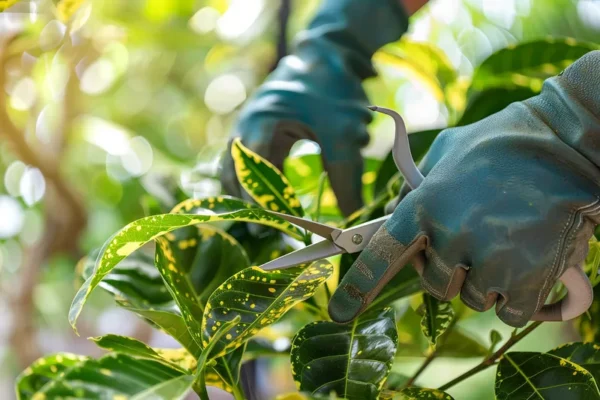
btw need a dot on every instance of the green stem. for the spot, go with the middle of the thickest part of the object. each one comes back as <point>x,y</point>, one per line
<point>322,180</point>
<point>206,353</point>
<point>422,368</point>
<point>491,360</point>
<point>238,393</point>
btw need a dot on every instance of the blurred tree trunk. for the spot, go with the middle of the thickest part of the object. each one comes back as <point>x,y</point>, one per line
<point>65,216</point>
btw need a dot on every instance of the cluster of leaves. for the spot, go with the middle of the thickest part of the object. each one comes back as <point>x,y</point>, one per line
<point>202,287</point>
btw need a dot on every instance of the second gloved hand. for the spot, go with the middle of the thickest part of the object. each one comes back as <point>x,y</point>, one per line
<point>507,205</point>
<point>316,93</point>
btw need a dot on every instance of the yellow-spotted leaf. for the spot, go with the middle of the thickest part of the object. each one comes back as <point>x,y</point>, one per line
<point>218,205</point>
<point>437,317</point>
<point>415,394</point>
<point>180,287</point>
<point>140,232</point>
<point>263,182</point>
<point>44,370</point>
<point>260,298</point>
<point>179,359</point>
<point>169,322</point>
<point>114,376</point>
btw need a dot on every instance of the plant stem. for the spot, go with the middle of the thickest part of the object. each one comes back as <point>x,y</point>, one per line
<point>322,179</point>
<point>238,394</point>
<point>491,360</point>
<point>422,368</point>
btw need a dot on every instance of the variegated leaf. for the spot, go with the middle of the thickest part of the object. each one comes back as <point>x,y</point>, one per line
<point>352,360</point>
<point>176,358</point>
<point>260,298</point>
<point>264,182</point>
<point>415,394</point>
<point>114,376</point>
<point>140,232</point>
<point>437,317</point>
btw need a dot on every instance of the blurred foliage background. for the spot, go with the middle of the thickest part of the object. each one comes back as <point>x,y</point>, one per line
<point>110,107</point>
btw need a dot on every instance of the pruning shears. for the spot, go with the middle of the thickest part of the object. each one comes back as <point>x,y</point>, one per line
<point>355,239</point>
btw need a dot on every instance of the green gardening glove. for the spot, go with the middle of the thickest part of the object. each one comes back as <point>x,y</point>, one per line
<point>316,94</point>
<point>507,206</point>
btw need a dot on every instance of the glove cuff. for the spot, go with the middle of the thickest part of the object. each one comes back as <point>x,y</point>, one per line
<point>355,29</point>
<point>570,105</point>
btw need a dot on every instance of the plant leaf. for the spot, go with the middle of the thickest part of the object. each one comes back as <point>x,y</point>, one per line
<point>174,389</point>
<point>395,381</point>
<point>135,280</point>
<point>528,64</point>
<point>260,298</point>
<point>415,394</point>
<point>180,287</point>
<point>140,232</point>
<point>586,355</point>
<point>208,255</point>
<point>437,317</point>
<point>495,338</point>
<point>264,182</point>
<point>351,360</point>
<point>543,376</point>
<point>113,375</point>
<point>175,358</point>
<point>170,323</point>
<point>44,371</point>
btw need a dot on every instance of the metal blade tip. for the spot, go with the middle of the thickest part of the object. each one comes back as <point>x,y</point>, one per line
<point>373,108</point>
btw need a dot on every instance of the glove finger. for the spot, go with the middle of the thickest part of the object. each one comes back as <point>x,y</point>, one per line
<point>390,249</point>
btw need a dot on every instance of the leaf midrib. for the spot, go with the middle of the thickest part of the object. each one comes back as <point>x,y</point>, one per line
<point>269,185</point>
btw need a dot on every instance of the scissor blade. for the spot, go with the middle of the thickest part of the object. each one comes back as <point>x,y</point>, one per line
<point>322,230</point>
<point>317,251</point>
<point>355,239</point>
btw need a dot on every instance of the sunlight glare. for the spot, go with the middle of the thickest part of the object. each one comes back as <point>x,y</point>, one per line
<point>11,215</point>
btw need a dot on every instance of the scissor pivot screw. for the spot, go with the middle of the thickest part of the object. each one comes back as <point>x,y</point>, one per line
<point>357,239</point>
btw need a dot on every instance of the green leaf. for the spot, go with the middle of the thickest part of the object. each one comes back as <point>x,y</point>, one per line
<point>174,389</point>
<point>174,358</point>
<point>395,381</point>
<point>437,317</point>
<point>228,366</point>
<point>171,323</point>
<point>416,394</point>
<point>135,280</point>
<point>264,182</point>
<point>140,232</point>
<point>586,355</point>
<point>114,375</point>
<point>260,298</point>
<point>528,64</point>
<point>485,103</point>
<point>209,350</point>
<point>208,255</point>
<point>180,287</point>
<point>523,375</point>
<point>460,344</point>
<point>351,360</point>
<point>405,283</point>
<point>43,371</point>
<point>420,61</point>
<point>456,343</point>
<point>495,338</point>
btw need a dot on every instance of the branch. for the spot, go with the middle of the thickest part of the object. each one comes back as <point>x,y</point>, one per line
<point>282,42</point>
<point>491,360</point>
<point>422,368</point>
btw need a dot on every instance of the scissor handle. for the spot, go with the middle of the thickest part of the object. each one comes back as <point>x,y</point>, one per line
<point>579,289</point>
<point>401,150</point>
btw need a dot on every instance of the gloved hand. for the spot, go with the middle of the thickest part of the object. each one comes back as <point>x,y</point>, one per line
<point>316,94</point>
<point>507,205</point>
